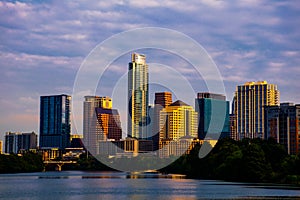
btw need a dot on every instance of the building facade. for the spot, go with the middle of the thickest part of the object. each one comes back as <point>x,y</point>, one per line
<point>15,142</point>
<point>283,124</point>
<point>109,121</point>
<point>92,131</point>
<point>138,97</point>
<point>214,107</point>
<point>232,127</point>
<point>250,100</point>
<point>1,146</point>
<point>162,100</point>
<point>179,147</point>
<point>55,123</point>
<point>178,120</point>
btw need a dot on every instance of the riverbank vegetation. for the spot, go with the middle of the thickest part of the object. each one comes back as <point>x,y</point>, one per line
<point>29,162</point>
<point>249,160</point>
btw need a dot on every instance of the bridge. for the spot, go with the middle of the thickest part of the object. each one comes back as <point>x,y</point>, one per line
<point>59,163</point>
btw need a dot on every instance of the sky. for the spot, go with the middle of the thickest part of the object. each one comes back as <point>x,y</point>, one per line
<point>44,43</point>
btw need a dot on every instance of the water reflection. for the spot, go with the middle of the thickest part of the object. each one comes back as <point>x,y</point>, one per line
<point>119,185</point>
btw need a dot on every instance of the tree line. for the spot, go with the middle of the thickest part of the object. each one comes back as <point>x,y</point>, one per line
<point>248,160</point>
<point>28,162</point>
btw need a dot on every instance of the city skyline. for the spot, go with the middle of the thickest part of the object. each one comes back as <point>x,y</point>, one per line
<point>42,47</point>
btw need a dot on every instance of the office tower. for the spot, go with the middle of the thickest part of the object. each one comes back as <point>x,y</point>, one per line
<point>162,100</point>
<point>15,142</point>
<point>109,121</point>
<point>209,105</point>
<point>92,131</point>
<point>137,97</point>
<point>250,100</point>
<point>1,146</point>
<point>178,120</point>
<point>283,124</point>
<point>55,122</point>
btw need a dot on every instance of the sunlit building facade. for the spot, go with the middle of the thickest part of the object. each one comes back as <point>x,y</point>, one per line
<point>250,100</point>
<point>138,97</point>
<point>1,146</point>
<point>162,100</point>
<point>92,131</point>
<point>178,120</point>
<point>55,123</point>
<point>178,147</point>
<point>109,121</point>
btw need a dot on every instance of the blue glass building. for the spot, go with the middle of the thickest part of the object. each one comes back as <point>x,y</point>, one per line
<point>213,115</point>
<point>55,123</point>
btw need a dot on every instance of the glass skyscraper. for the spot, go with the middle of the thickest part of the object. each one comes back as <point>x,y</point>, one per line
<point>250,101</point>
<point>138,97</point>
<point>55,123</point>
<point>206,105</point>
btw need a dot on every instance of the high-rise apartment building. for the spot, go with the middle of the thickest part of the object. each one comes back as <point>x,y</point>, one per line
<point>250,100</point>
<point>178,120</point>
<point>55,122</point>
<point>162,100</point>
<point>92,131</point>
<point>212,106</point>
<point>138,97</point>
<point>283,124</point>
<point>14,142</point>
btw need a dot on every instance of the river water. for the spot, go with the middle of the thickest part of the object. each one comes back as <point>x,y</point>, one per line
<point>119,185</point>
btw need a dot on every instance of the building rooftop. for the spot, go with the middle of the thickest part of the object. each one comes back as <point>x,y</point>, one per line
<point>178,103</point>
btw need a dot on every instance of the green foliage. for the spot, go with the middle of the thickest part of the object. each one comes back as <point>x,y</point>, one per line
<point>248,160</point>
<point>90,163</point>
<point>29,162</point>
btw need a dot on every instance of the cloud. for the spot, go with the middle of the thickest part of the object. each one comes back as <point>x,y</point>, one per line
<point>43,43</point>
<point>28,100</point>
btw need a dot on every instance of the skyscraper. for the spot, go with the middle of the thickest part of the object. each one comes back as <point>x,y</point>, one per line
<point>283,124</point>
<point>137,97</point>
<point>92,131</point>
<point>250,100</point>
<point>14,142</point>
<point>206,105</point>
<point>162,100</point>
<point>109,121</point>
<point>178,120</point>
<point>55,123</point>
